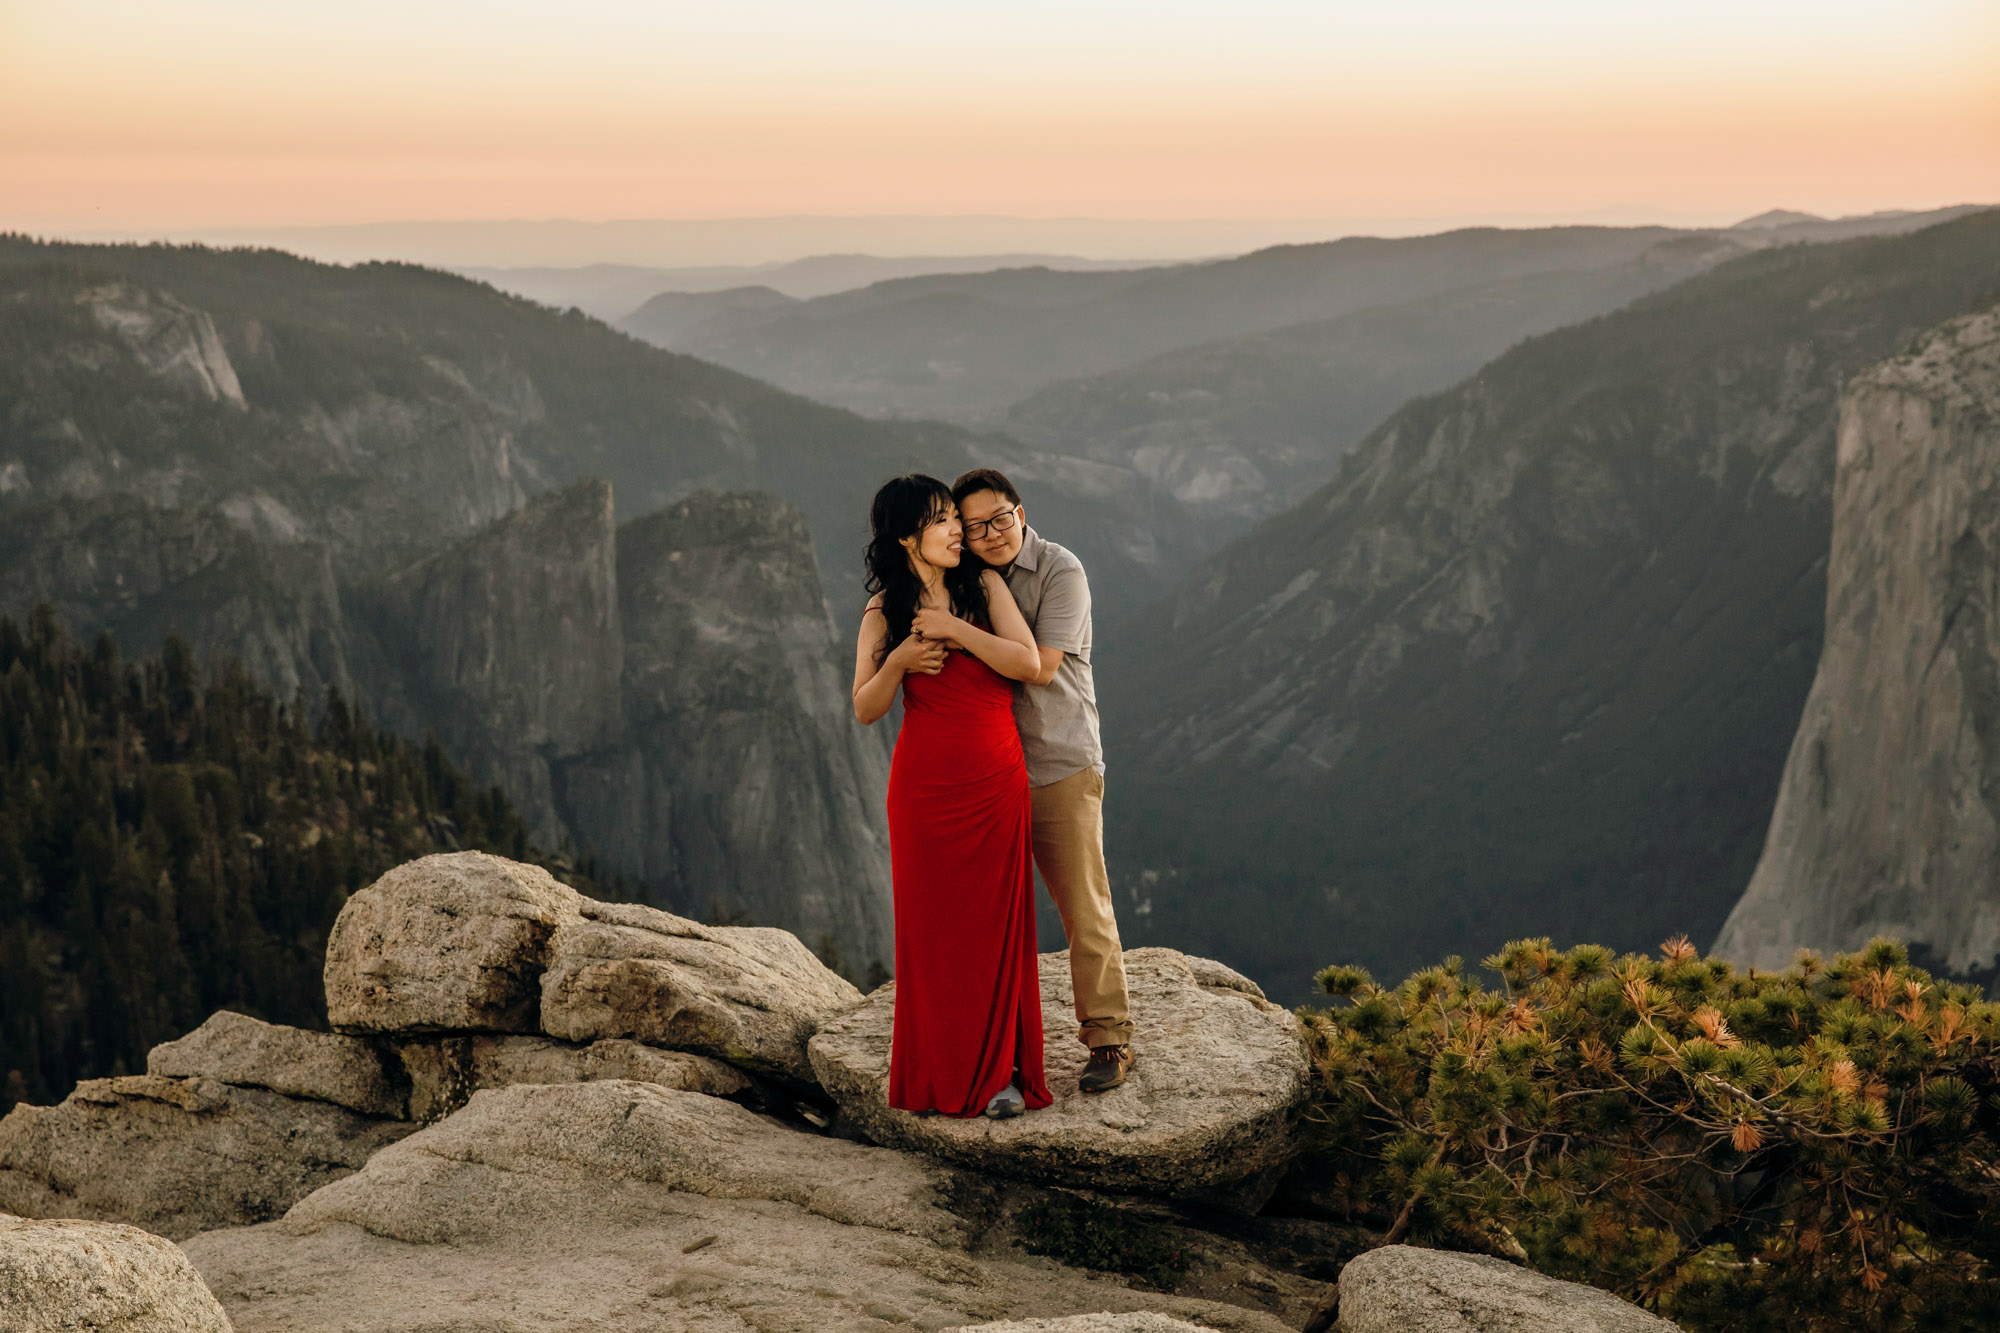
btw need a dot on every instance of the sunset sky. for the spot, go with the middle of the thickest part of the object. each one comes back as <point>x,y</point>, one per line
<point>178,115</point>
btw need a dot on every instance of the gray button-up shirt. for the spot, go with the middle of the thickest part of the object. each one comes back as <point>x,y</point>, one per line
<point>1058,720</point>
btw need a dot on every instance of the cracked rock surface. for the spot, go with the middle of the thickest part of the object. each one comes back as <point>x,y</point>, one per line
<point>622,1205</point>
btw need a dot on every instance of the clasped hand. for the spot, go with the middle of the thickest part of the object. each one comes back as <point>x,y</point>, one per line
<point>919,656</point>
<point>937,626</point>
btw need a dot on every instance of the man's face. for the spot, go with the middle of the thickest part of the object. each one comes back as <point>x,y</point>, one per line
<point>993,526</point>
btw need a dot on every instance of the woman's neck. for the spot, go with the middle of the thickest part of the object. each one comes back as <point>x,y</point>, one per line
<point>930,579</point>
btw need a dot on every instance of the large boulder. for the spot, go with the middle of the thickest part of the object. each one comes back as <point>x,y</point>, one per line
<point>77,1277</point>
<point>749,995</point>
<point>451,942</point>
<point>177,1156</point>
<point>620,1205</point>
<point>320,1066</point>
<point>445,1071</point>
<point>1402,1289</point>
<point>464,942</point>
<point>1207,1113</point>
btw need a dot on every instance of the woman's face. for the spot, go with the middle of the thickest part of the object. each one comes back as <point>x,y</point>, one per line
<point>940,542</point>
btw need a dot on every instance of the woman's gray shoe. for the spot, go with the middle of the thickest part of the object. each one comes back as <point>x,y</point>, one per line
<point>1007,1102</point>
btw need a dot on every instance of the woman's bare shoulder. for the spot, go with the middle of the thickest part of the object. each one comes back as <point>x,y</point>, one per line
<point>874,603</point>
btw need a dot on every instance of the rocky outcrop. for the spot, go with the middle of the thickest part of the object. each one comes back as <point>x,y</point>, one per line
<point>609,1182</point>
<point>169,339</point>
<point>452,942</point>
<point>1217,1082</point>
<point>615,1205</point>
<point>466,941</point>
<point>1401,1289</point>
<point>82,1277</point>
<point>1888,817</point>
<point>319,1066</point>
<point>177,1156</point>
<point>742,789</point>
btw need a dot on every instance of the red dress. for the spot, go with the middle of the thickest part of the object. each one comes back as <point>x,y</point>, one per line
<point>968,996</point>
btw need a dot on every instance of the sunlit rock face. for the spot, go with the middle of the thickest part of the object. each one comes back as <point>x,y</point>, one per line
<point>1888,819</point>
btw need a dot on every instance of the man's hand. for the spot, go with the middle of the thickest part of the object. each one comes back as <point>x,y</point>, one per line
<point>917,655</point>
<point>941,626</point>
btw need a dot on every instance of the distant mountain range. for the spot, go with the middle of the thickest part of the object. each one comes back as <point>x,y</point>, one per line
<point>966,347</point>
<point>613,291</point>
<point>1531,663</point>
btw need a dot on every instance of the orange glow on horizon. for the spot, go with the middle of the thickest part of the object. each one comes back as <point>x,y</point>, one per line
<point>123,116</point>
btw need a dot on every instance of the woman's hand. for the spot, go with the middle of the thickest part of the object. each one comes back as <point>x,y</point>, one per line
<point>918,654</point>
<point>942,626</point>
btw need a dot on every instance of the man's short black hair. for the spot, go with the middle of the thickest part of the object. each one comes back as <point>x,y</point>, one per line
<point>984,479</point>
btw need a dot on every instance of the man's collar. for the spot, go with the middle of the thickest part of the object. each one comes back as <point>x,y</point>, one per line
<point>1031,549</point>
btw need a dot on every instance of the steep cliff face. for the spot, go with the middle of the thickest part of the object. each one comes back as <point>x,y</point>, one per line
<point>139,570</point>
<point>508,645</point>
<point>668,694</point>
<point>741,784</point>
<point>1888,818</point>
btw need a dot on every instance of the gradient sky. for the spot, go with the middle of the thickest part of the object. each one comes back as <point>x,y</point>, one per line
<point>175,114</point>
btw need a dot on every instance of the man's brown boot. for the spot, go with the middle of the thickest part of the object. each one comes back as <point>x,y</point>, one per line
<point>1106,1069</point>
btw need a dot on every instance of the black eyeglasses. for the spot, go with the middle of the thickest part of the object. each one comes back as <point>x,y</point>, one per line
<point>998,523</point>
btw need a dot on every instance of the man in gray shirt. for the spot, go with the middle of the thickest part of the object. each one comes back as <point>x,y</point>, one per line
<point>1057,713</point>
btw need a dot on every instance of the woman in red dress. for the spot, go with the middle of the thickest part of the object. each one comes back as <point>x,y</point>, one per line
<point>967,1037</point>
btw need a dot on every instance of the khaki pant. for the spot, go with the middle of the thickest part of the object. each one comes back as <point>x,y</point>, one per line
<point>1069,851</point>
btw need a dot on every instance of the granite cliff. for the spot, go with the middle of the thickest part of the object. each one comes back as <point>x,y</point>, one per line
<point>1888,816</point>
<point>667,693</point>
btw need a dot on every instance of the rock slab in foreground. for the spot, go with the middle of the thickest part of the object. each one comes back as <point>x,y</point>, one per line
<point>1208,1112</point>
<point>177,1156</point>
<point>69,1276</point>
<point>1402,1289</point>
<point>613,1206</point>
<point>320,1066</point>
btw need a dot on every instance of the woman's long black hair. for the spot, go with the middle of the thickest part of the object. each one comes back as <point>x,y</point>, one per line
<point>904,507</point>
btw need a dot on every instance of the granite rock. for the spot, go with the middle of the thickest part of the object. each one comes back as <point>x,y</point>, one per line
<point>177,1156</point>
<point>746,994</point>
<point>1887,819</point>
<point>72,1276</point>
<point>1402,1289</point>
<point>451,942</point>
<point>609,1206</point>
<point>1207,1113</point>
<point>321,1066</point>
